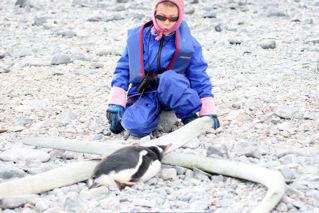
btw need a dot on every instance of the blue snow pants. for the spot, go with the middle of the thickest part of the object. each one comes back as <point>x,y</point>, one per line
<point>173,93</point>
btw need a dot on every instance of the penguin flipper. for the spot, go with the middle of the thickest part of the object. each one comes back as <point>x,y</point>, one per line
<point>146,163</point>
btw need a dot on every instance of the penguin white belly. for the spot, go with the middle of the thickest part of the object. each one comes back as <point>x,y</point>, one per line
<point>152,170</point>
<point>124,175</point>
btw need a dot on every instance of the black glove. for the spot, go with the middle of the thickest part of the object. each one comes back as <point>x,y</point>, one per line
<point>147,83</point>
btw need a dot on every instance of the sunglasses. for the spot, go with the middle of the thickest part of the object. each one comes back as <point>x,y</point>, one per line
<point>164,18</point>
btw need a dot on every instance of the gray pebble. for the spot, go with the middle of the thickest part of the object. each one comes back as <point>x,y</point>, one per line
<point>80,3</point>
<point>199,205</point>
<point>80,57</point>
<point>146,203</point>
<point>288,173</point>
<point>268,44</point>
<point>104,52</point>
<point>114,17</point>
<point>201,175</point>
<point>189,173</point>
<point>217,150</point>
<point>7,172</point>
<point>180,170</point>
<point>95,19</point>
<point>97,65</point>
<point>38,21</point>
<point>122,1</point>
<point>289,159</point>
<point>282,207</point>
<point>119,8</point>
<point>217,179</point>
<point>66,117</point>
<point>94,193</point>
<point>286,112</point>
<point>168,120</point>
<point>43,204</point>
<point>248,149</point>
<point>2,55</point>
<point>235,41</point>
<point>60,59</point>
<point>66,34</point>
<point>17,201</point>
<point>170,173</point>
<point>24,154</point>
<point>276,13</point>
<point>219,28</point>
<point>208,14</point>
<point>28,210</point>
<point>72,205</point>
<point>4,69</point>
<point>111,203</point>
<point>21,3</point>
<point>190,11</point>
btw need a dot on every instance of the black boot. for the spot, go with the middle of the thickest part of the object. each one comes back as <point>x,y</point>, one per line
<point>189,118</point>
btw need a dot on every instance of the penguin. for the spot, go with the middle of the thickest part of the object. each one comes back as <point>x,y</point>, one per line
<point>127,166</point>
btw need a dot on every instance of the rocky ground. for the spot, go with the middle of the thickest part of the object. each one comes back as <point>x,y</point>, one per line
<point>56,63</point>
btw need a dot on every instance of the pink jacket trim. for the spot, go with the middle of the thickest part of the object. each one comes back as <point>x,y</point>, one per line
<point>208,106</point>
<point>117,96</point>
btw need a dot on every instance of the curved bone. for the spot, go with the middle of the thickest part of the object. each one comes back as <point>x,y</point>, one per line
<point>177,138</point>
<point>48,180</point>
<point>273,180</point>
<point>74,145</point>
<point>81,171</point>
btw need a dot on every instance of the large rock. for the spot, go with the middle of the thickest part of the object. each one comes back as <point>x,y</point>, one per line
<point>168,120</point>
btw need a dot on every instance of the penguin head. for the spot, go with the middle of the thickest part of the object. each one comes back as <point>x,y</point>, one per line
<point>159,150</point>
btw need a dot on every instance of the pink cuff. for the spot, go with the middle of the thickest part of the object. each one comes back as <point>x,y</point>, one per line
<point>117,96</point>
<point>208,106</point>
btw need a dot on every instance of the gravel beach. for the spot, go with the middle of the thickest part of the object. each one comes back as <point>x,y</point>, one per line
<point>56,64</point>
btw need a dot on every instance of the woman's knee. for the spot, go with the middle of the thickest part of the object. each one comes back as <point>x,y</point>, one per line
<point>141,118</point>
<point>172,78</point>
<point>139,127</point>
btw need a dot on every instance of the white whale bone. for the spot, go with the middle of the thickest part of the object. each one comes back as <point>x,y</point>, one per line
<point>55,178</point>
<point>81,171</point>
<point>272,179</point>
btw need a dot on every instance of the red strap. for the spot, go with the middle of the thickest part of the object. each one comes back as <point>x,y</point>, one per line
<point>141,51</point>
<point>171,64</point>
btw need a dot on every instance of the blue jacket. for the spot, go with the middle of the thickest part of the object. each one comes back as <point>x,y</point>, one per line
<point>194,66</point>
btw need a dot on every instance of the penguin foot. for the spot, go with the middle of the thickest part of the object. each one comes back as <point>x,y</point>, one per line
<point>122,184</point>
<point>135,144</point>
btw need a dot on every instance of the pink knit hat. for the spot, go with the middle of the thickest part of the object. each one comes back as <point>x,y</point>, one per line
<point>180,6</point>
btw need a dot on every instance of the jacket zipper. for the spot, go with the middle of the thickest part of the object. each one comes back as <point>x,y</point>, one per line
<point>159,55</point>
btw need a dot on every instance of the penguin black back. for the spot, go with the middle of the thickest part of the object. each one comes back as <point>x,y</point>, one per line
<point>121,159</point>
<point>128,165</point>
